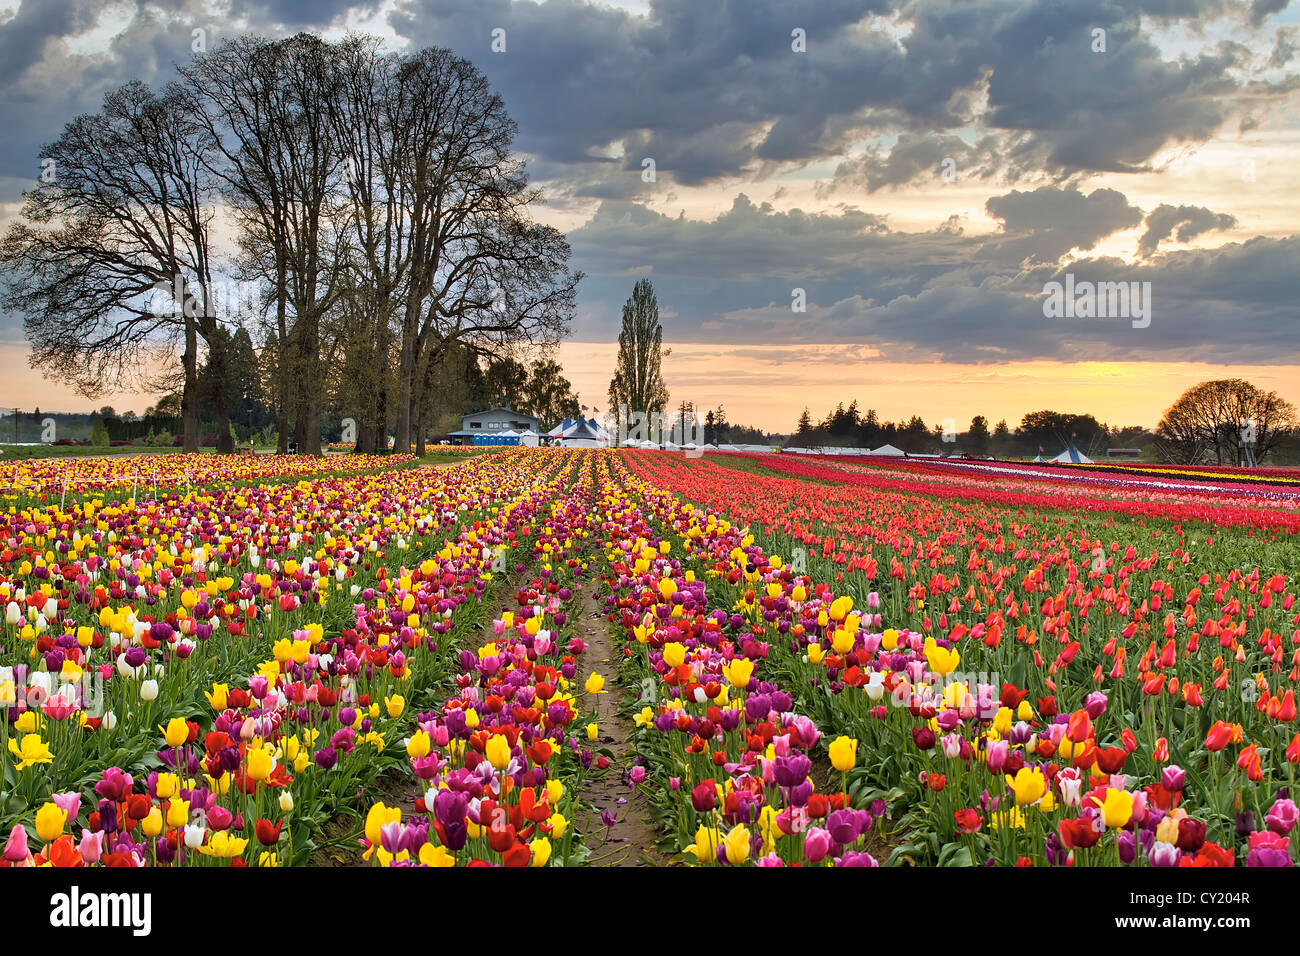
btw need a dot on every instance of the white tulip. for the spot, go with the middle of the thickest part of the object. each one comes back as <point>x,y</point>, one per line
<point>149,690</point>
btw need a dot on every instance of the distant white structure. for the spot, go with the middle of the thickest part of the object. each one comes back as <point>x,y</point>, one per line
<point>1072,456</point>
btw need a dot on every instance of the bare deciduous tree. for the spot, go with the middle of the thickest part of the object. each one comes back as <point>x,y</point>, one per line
<point>128,214</point>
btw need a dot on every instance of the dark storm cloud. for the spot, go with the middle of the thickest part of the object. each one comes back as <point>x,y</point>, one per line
<point>296,14</point>
<point>712,90</point>
<point>1044,225</point>
<point>1183,222</point>
<point>1009,89</point>
<point>1090,107</point>
<point>1260,10</point>
<point>920,296</point>
<point>25,36</point>
<point>920,158</point>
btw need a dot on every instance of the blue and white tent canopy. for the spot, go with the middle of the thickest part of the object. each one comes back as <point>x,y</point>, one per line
<point>1072,456</point>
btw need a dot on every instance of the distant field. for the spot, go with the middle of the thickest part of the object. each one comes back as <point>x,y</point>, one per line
<point>22,452</point>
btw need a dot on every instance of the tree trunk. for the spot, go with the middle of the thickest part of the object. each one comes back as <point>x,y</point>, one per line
<point>189,394</point>
<point>406,378</point>
<point>283,371</point>
<point>309,442</point>
<point>220,360</point>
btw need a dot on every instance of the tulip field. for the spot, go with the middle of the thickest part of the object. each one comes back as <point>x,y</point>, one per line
<point>550,657</point>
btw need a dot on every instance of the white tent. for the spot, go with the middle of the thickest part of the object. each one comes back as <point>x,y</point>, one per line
<point>1038,458</point>
<point>529,437</point>
<point>888,451</point>
<point>580,434</point>
<point>1072,456</point>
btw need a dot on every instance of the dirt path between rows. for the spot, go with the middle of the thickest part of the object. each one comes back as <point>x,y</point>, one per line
<point>631,840</point>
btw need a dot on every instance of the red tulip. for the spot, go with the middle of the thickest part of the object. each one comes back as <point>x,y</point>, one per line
<point>1078,833</point>
<point>1079,728</point>
<point>268,835</point>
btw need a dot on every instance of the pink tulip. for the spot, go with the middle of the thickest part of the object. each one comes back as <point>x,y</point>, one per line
<point>16,846</point>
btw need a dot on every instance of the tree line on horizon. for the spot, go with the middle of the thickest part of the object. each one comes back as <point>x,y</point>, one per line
<point>1206,424</point>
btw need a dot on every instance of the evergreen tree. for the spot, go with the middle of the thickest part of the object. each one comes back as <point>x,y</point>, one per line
<point>638,382</point>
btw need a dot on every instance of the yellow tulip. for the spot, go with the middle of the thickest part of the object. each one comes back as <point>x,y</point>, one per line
<point>738,672</point>
<point>176,732</point>
<point>1167,829</point>
<point>705,847</point>
<point>1011,818</point>
<point>1117,808</point>
<point>395,704</point>
<point>498,751</point>
<point>419,744</point>
<point>165,785</point>
<point>153,823</point>
<point>593,732</point>
<point>377,818</point>
<point>541,848</point>
<point>736,843</point>
<point>844,753</point>
<point>217,698</point>
<point>436,855</point>
<point>32,750</point>
<point>223,845</point>
<point>942,660</point>
<point>50,820</point>
<point>178,813</point>
<point>1029,784</point>
<point>674,654</point>
<point>595,683</point>
<point>260,764</point>
<point>1002,721</point>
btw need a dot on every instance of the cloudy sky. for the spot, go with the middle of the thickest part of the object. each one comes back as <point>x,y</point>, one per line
<point>910,173</point>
